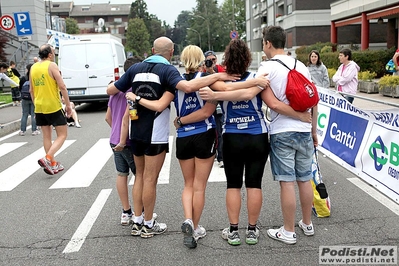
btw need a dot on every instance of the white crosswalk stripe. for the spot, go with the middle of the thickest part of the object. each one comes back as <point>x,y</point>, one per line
<point>9,147</point>
<point>84,171</point>
<point>18,172</point>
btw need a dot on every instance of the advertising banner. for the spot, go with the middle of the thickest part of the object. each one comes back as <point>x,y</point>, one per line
<point>363,141</point>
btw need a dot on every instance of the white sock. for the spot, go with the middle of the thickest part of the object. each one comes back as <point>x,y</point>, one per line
<point>138,219</point>
<point>288,233</point>
<point>149,223</point>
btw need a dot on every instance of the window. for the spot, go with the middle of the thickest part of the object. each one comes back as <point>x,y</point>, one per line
<point>85,8</point>
<point>289,9</point>
<point>88,20</point>
<point>118,20</point>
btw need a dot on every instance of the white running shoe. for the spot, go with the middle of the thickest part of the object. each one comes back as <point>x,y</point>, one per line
<point>307,229</point>
<point>278,234</point>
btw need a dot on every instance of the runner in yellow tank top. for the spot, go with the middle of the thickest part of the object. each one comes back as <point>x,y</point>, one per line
<point>46,86</point>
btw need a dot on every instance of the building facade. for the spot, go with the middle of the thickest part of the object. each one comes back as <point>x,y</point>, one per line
<point>305,22</point>
<point>367,22</point>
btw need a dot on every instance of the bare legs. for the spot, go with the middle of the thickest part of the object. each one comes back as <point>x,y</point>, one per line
<point>144,188</point>
<point>196,173</point>
<point>288,202</point>
<point>52,147</point>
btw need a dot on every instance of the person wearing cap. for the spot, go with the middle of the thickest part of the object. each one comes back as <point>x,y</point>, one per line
<point>210,56</point>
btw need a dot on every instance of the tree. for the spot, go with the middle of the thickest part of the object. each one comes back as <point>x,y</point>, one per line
<point>234,21</point>
<point>137,37</point>
<point>206,20</point>
<point>71,26</point>
<point>138,9</point>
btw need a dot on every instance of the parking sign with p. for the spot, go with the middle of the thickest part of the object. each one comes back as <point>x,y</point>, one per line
<point>22,23</point>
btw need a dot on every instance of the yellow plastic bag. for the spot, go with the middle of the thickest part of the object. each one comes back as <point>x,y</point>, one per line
<point>321,206</point>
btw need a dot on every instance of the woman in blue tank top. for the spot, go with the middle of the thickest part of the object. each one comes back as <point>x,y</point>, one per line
<point>195,146</point>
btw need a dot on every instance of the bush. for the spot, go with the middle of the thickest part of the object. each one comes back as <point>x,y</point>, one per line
<point>331,72</point>
<point>388,80</point>
<point>317,46</point>
<point>366,75</point>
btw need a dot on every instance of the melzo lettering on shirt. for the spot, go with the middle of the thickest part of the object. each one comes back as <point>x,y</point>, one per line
<point>240,106</point>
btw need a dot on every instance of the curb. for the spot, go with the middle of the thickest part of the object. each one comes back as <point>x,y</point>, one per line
<point>13,126</point>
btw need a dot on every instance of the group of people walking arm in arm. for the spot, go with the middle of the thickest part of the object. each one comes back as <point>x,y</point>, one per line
<point>155,84</point>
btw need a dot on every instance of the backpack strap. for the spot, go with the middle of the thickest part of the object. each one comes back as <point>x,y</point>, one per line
<point>281,62</point>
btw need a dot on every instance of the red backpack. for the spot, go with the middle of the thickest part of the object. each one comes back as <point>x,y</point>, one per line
<point>300,91</point>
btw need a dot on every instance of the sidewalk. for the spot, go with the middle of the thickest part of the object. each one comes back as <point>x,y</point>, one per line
<point>10,119</point>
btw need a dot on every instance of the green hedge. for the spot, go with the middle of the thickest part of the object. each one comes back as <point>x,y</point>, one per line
<point>368,60</point>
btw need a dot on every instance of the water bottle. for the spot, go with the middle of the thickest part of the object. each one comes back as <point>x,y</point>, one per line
<point>219,109</point>
<point>133,110</point>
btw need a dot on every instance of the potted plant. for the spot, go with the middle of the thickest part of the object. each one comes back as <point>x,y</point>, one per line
<point>331,72</point>
<point>366,83</point>
<point>389,85</point>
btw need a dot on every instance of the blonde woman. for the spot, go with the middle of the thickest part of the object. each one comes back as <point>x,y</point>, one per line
<point>195,145</point>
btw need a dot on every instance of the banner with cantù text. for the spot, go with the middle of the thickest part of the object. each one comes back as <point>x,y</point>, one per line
<point>363,141</point>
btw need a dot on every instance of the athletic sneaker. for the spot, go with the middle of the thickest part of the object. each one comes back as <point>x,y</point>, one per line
<point>156,229</point>
<point>46,164</point>
<point>307,229</point>
<point>125,218</point>
<point>188,230</point>
<point>277,234</point>
<point>35,133</point>
<point>136,229</point>
<point>252,236</point>
<point>56,169</point>
<point>233,238</point>
<point>200,232</point>
<point>21,133</point>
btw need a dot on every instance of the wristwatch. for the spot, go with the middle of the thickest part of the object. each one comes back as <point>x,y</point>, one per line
<point>179,122</point>
<point>138,98</point>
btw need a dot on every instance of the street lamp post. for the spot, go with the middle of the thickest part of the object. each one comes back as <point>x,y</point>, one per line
<point>209,32</point>
<point>199,35</point>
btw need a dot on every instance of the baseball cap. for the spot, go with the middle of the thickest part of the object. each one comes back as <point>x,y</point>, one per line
<point>208,53</point>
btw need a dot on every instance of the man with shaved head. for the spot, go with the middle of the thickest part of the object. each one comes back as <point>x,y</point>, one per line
<point>153,81</point>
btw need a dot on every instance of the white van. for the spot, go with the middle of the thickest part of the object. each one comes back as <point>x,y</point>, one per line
<point>88,65</point>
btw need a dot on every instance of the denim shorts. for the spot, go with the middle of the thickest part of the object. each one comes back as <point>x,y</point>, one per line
<point>124,161</point>
<point>291,156</point>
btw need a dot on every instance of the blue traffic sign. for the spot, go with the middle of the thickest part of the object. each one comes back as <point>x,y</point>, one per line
<point>22,23</point>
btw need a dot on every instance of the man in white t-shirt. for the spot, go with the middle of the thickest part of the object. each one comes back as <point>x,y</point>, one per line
<point>292,141</point>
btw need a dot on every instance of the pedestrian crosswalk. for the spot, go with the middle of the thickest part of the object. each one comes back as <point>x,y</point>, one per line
<point>84,171</point>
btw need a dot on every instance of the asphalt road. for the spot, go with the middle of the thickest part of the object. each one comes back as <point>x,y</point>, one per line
<point>73,218</point>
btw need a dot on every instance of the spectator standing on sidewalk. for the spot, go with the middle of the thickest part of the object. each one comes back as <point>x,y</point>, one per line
<point>3,69</point>
<point>13,74</point>
<point>346,75</point>
<point>27,105</point>
<point>123,157</point>
<point>318,71</point>
<point>46,84</point>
